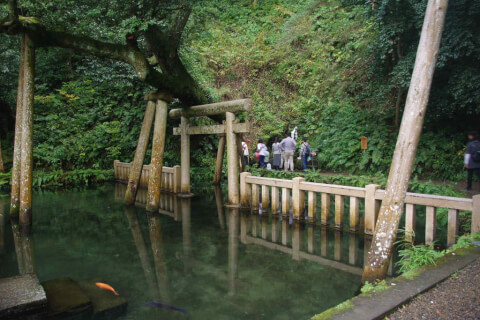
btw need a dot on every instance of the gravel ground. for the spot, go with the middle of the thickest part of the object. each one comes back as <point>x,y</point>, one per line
<point>456,298</point>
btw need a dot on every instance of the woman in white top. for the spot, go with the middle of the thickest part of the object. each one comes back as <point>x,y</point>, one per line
<point>261,148</point>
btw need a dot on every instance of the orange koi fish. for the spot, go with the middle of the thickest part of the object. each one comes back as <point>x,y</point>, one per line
<point>105,286</point>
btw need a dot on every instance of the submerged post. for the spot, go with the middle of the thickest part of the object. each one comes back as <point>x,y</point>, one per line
<point>218,166</point>
<point>26,157</point>
<point>232,161</point>
<point>158,147</point>
<point>407,142</point>
<point>137,164</point>
<point>17,150</point>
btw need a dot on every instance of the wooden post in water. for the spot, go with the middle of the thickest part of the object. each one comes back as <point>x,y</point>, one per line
<point>411,127</point>
<point>312,206</point>
<point>185,156</point>
<point>156,164</point>
<point>245,190</point>
<point>17,150</point>
<point>26,157</point>
<point>285,202</point>
<point>217,178</point>
<point>298,198</point>
<point>275,206</point>
<point>137,165</point>
<point>325,208</point>
<point>232,161</point>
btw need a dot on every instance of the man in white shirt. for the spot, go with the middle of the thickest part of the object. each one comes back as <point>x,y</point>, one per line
<point>289,146</point>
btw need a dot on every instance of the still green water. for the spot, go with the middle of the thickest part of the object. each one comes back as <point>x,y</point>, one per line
<point>195,254</point>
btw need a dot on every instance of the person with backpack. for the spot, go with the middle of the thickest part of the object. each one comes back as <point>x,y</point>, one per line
<point>305,153</point>
<point>472,158</point>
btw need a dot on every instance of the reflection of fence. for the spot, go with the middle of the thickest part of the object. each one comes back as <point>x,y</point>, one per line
<point>169,204</point>
<point>319,244</point>
<point>170,176</point>
<point>253,189</point>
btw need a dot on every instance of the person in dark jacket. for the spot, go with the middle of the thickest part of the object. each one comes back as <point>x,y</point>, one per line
<point>471,161</point>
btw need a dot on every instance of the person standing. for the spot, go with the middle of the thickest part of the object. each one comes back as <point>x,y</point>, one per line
<point>261,148</point>
<point>472,158</point>
<point>245,152</point>
<point>289,146</point>
<point>276,154</point>
<point>305,152</point>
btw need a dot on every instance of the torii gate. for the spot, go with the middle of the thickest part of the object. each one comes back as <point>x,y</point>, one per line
<point>230,129</point>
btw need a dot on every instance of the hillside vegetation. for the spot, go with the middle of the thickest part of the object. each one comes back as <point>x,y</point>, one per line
<point>338,70</point>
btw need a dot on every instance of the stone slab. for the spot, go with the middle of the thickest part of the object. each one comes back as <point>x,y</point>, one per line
<point>20,296</point>
<point>66,300</point>
<point>106,305</point>
<point>378,305</point>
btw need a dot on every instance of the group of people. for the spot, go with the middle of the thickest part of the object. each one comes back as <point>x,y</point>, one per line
<point>283,153</point>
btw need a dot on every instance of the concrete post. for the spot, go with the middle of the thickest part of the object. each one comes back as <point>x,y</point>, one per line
<point>185,156</point>
<point>26,157</point>
<point>298,198</point>
<point>177,179</point>
<point>137,165</point>
<point>371,208</point>
<point>275,206</point>
<point>232,161</point>
<point>245,190</point>
<point>217,178</point>
<point>285,202</point>
<point>476,214</point>
<point>312,206</point>
<point>156,164</point>
<point>265,197</point>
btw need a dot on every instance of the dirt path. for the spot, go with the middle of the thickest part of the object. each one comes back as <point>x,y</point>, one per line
<point>456,298</point>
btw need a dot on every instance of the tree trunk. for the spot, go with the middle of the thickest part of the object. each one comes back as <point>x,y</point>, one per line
<point>411,127</point>
<point>399,92</point>
<point>26,158</point>
<point>139,158</point>
<point>2,169</point>
<point>17,151</point>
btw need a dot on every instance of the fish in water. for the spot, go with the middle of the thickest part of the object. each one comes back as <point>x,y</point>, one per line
<point>156,304</point>
<point>106,287</point>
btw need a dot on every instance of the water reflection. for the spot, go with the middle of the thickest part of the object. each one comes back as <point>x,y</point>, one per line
<point>233,240</point>
<point>23,248</point>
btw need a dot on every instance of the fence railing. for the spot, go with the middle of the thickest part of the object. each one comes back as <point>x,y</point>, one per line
<point>171,176</point>
<point>280,196</point>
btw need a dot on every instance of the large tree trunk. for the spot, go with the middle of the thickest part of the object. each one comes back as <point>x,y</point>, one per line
<point>411,127</point>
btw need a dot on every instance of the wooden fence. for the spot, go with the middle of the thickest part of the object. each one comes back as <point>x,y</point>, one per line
<point>280,195</point>
<point>170,176</point>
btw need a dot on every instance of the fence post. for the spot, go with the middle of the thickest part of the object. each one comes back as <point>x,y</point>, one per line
<point>245,190</point>
<point>371,208</point>
<point>177,178</point>
<point>115,169</point>
<point>298,198</point>
<point>476,214</point>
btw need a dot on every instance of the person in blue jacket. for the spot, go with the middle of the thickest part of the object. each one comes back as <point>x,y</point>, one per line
<point>472,158</point>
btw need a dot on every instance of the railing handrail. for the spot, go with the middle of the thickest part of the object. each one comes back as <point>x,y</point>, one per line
<point>411,198</point>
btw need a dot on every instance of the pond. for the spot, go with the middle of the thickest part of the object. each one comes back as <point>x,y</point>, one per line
<point>214,262</point>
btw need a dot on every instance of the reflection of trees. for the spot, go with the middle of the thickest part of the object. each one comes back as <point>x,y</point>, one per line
<point>23,248</point>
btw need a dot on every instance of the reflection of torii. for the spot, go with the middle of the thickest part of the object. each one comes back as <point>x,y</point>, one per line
<point>294,134</point>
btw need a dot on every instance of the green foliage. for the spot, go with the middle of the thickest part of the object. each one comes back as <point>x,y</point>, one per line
<point>414,256</point>
<point>466,241</point>
<point>81,177</point>
<point>378,286</point>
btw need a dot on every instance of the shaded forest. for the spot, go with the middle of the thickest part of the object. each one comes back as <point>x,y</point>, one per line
<point>338,70</point>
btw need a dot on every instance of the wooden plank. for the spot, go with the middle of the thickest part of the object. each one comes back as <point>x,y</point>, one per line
<point>265,197</point>
<point>275,200</point>
<point>325,208</point>
<point>354,213</point>
<point>255,196</point>
<point>410,216</point>
<point>285,201</point>
<point>452,227</point>
<point>312,206</point>
<point>339,210</point>
<point>280,183</point>
<point>433,200</point>
<point>430,225</point>
<point>234,106</point>
<point>333,189</point>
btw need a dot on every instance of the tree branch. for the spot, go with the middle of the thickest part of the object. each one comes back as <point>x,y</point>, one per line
<point>174,79</point>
